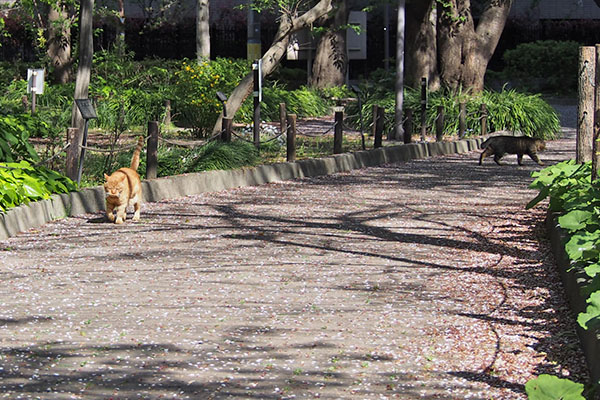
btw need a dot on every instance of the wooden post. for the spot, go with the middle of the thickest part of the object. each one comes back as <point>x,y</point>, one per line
<point>484,115</point>
<point>378,120</point>
<point>227,123</point>
<point>462,119</point>
<point>596,146</point>
<point>338,132</point>
<point>282,118</point>
<point>408,125</point>
<point>152,150</point>
<point>167,112</point>
<point>73,137</point>
<point>585,105</point>
<point>423,108</point>
<point>291,137</point>
<point>439,124</point>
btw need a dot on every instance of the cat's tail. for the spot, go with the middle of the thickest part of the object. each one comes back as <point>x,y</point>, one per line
<point>135,160</point>
<point>485,143</point>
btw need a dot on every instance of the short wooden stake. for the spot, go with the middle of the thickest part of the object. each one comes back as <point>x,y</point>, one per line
<point>439,124</point>
<point>73,138</point>
<point>291,137</point>
<point>152,150</point>
<point>338,133</point>
<point>226,127</point>
<point>378,120</point>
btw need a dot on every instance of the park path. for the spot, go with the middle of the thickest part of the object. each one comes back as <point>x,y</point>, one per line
<point>426,279</point>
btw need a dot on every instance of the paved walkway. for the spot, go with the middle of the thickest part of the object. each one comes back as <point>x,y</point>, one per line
<point>424,279</point>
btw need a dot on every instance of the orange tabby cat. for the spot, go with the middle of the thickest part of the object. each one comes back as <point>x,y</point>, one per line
<point>124,188</point>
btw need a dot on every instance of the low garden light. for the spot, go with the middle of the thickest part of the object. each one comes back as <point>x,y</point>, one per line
<point>223,99</point>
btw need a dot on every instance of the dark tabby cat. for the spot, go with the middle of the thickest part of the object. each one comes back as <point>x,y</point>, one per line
<point>519,145</point>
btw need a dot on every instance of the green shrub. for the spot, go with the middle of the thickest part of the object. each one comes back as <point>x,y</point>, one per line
<point>21,183</point>
<point>544,65</point>
<point>304,102</point>
<point>218,155</point>
<point>129,93</point>
<point>14,135</point>
<point>195,99</point>
<point>571,193</point>
<point>507,110</point>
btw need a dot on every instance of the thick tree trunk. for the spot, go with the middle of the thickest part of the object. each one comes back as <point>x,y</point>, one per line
<point>59,44</point>
<point>273,55</point>
<point>420,44</point>
<point>463,49</point>
<point>331,60</point>
<point>202,31</point>
<point>86,47</point>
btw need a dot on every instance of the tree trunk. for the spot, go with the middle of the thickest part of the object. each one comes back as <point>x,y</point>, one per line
<point>86,47</point>
<point>272,57</point>
<point>420,45</point>
<point>331,51</point>
<point>463,49</point>
<point>59,44</point>
<point>202,31</point>
<point>398,126</point>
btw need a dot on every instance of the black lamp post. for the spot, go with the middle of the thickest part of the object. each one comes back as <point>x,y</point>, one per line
<point>222,98</point>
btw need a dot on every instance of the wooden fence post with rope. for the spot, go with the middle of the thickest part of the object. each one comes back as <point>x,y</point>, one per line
<point>291,137</point>
<point>71,165</point>
<point>338,133</point>
<point>378,119</point>
<point>152,150</point>
<point>226,128</point>
<point>439,124</point>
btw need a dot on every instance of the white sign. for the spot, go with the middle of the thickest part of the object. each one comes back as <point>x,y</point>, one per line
<point>35,80</point>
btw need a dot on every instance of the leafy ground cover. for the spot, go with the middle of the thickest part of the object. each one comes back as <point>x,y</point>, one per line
<point>574,196</point>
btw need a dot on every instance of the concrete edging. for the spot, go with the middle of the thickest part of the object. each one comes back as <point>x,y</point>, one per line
<point>91,200</point>
<point>573,282</point>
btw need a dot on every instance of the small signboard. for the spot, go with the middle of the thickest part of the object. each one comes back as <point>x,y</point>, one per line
<point>35,80</point>
<point>86,108</point>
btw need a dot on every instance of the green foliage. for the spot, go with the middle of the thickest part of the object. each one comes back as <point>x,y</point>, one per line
<point>548,387</point>
<point>546,65</point>
<point>591,318</point>
<point>21,183</point>
<point>218,155</point>
<point>196,86</point>
<point>507,110</point>
<point>128,93</point>
<point>304,102</point>
<point>14,135</point>
<point>577,199</point>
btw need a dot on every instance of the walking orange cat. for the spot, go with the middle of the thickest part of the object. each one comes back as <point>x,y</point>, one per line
<point>123,188</point>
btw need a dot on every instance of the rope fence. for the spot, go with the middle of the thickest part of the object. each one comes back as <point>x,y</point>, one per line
<point>288,129</point>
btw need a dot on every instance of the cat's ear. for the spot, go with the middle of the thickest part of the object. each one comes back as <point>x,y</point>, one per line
<point>105,176</point>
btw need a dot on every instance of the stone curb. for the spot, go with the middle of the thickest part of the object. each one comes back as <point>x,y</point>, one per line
<point>573,283</point>
<point>91,200</point>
